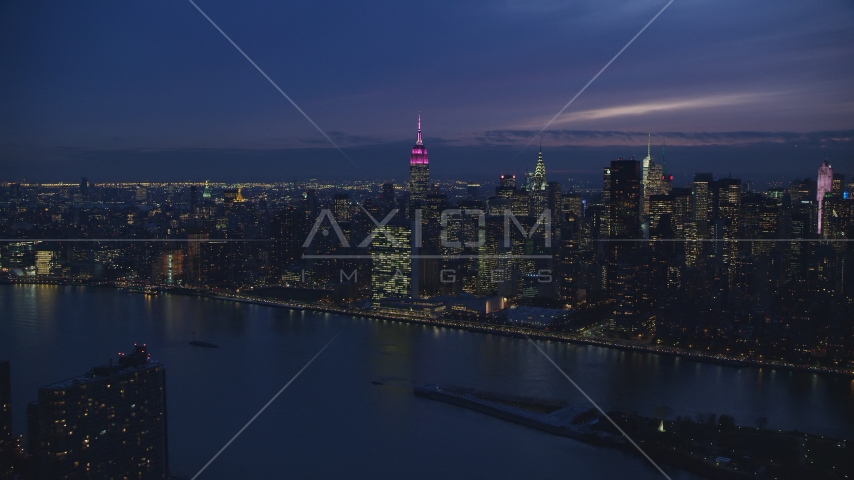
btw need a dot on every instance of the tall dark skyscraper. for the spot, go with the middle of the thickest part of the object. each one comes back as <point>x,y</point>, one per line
<point>419,172</point>
<point>107,423</point>
<point>623,268</point>
<point>625,198</point>
<point>703,202</point>
<point>194,198</point>
<point>84,188</point>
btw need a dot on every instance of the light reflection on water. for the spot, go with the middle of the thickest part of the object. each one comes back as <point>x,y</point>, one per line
<point>382,431</point>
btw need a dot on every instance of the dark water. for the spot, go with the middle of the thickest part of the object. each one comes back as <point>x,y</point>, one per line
<point>333,422</point>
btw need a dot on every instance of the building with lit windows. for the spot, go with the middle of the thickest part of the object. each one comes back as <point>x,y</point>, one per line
<point>419,172</point>
<point>391,262</point>
<point>45,262</point>
<point>107,423</point>
<point>341,207</point>
<point>702,202</point>
<point>824,187</point>
<point>169,268</point>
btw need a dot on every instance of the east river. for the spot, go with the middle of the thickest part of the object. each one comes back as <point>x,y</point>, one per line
<point>335,422</point>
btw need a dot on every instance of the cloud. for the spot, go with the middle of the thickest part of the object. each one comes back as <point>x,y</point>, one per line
<point>615,137</point>
<point>664,105</point>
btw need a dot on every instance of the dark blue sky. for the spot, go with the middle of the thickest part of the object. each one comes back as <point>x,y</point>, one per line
<point>150,90</point>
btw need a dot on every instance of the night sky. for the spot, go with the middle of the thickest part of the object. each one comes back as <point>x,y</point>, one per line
<point>151,91</point>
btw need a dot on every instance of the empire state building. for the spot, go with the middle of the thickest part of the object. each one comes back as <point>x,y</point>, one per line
<point>419,172</point>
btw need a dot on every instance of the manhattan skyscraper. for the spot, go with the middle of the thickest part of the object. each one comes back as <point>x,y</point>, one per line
<point>419,172</point>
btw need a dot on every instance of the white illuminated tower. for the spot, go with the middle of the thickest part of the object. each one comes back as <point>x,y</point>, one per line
<point>539,182</point>
<point>825,185</point>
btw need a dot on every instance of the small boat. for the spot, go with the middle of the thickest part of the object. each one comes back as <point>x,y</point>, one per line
<point>200,343</point>
<point>377,383</point>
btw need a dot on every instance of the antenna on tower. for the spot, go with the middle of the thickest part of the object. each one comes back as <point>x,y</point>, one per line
<point>648,143</point>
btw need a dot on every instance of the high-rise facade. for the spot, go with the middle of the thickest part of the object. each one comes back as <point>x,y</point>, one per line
<point>108,423</point>
<point>654,181</point>
<point>341,207</point>
<point>419,172</point>
<point>507,180</point>
<point>622,267</point>
<point>391,257</point>
<point>538,179</point>
<point>625,191</point>
<point>703,202</point>
<point>824,186</point>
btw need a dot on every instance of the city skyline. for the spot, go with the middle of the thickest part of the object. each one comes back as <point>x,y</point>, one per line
<point>630,252</point>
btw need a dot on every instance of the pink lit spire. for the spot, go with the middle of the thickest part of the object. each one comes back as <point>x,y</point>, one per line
<point>419,151</point>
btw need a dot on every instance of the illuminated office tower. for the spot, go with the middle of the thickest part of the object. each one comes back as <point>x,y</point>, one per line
<point>645,190</point>
<point>646,162</point>
<point>682,210</point>
<point>661,216</point>
<point>206,192</point>
<point>606,184</point>
<point>341,207</point>
<point>838,221</point>
<point>520,203</point>
<point>538,179</point>
<point>573,203</point>
<point>419,172</point>
<point>824,186</point>
<point>107,423</point>
<point>169,268</point>
<point>45,262</point>
<point>729,191</point>
<point>391,262</point>
<point>492,265</point>
<point>838,185</point>
<point>703,206</point>
<point>692,243</point>
<point>654,181</point>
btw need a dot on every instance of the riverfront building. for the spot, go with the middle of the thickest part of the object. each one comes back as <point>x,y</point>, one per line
<point>107,423</point>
